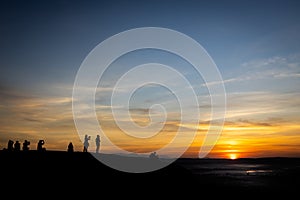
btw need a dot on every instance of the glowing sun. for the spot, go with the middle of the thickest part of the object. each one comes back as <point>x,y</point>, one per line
<point>232,156</point>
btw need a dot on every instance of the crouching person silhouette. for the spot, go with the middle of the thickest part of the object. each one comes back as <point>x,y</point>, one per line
<point>26,145</point>
<point>40,145</point>
<point>70,147</point>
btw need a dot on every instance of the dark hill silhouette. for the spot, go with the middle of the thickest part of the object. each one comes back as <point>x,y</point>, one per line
<point>39,170</point>
<point>60,166</point>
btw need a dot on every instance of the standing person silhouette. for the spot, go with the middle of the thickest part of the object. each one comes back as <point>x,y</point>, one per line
<point>97,140</point>
<point>17,146</point>
<point>86,143</point>
<point>10,145</point>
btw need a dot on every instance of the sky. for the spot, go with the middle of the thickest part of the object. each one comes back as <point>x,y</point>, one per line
<point>254,44</point>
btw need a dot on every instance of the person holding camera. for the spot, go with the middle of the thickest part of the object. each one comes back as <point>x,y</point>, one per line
<point>40,145</point>
<point>86,143</point>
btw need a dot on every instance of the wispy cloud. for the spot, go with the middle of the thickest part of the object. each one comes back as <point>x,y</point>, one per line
<point>274,67</point>
<point>24,116</point>
<point>269,68</point>
<point>266,104</point>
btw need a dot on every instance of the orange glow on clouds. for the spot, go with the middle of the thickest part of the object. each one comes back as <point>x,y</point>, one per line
<point>51,119</point>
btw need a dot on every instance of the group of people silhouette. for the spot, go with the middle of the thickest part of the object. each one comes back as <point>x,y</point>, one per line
<point>153,156</point>
<point>16,146</point>
<point>86,143</point>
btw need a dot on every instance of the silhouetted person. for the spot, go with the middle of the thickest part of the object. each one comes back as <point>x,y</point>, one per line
<point>40,145</point>
<point>26,145</point>
<point>70,147</point>
<point>97,140</point>
<point>17,146</point>
<point>86,143</point>
<point>10,145</point>
<point>153,156</point>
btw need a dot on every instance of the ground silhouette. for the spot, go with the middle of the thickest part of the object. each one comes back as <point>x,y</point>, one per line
<point>78,170</point>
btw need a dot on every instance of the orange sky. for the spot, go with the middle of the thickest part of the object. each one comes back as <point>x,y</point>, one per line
<point>52,120</point>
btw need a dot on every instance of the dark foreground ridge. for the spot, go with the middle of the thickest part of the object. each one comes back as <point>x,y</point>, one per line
<point>55,170</point>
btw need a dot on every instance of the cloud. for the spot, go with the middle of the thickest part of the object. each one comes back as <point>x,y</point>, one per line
<point>246,122</point>
<point>254,123</point>
<point>8,95</point>
<point>273,67</point>
<point>221,82</point>
<point>267,104</point>
<point>267,62</point>
<point>25,116</point>
<point>268,68</point>
<point>140,110</point>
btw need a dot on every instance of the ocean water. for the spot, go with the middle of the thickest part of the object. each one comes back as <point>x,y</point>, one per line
<point>232,169</point>
<point>257,174</point>
<point>241,167</point>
